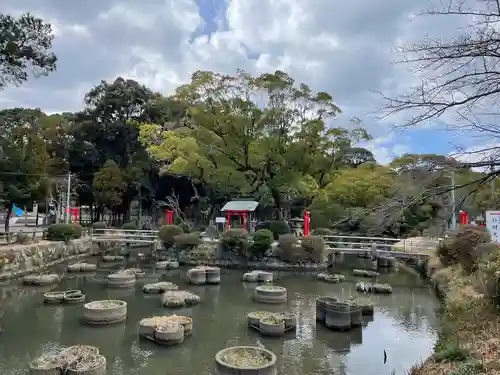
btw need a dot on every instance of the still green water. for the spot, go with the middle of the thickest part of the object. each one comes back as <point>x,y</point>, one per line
<point>404,325</point>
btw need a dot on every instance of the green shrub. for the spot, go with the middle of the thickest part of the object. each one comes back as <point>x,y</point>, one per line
<point>414,233</point>
<point>323,232</point>
<point>64,232</point>
<point>451,352</point>
<point>129,226</point>
<point>187,241</point>
<point>460,247</point>
<point>167,234</point>
<point>185,227</point>
<point>235,241</point>
<point>100,225</point>
<point>289,249</point>
<point>278,227</point>
<point>262,240</point>
<point>314,246</point>
<point>471,367</point>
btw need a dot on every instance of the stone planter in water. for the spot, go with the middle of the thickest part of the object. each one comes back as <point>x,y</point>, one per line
<point>266,277</point>
<point>53,297</point>
<point>105,312</point>
<point>113,258</point>
<point>356,315</point>
<point>71,298</point>
<point>289,319</point>
<point>250,277</point>
<point>338,316</point>
<point>166,264</point>
<point>196,276</point>
<point>212,275</point>
<point>90,365</point>
<point>82,267</point>
<point>121,280</point>
<point>170,332</point>
<point>41,279</point>
<point>245,360</point>
<point>365,273</point>
<point>270,294</point>
<point>255,317</point>
<point>382,288</point>
<point>159,287</point>
<point>272,326</point>
<point>320,307</point>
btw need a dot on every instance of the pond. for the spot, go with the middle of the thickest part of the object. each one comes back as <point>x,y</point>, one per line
<point>404,325</point>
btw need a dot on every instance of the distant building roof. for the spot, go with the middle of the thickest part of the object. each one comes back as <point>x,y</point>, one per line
<point>240,206</point>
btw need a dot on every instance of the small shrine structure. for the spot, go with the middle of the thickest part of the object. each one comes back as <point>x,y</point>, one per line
<point>244,209</point>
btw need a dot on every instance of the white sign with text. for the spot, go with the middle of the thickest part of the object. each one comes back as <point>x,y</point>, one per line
<point>493,225</point>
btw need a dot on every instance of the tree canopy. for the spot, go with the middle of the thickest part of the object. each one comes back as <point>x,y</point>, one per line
<point>25,42</point>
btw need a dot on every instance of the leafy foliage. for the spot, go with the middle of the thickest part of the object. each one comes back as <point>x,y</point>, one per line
<point>24,42</point>
<point>314,246</point>
<point>64,232</point>
<point>187,241</point>
<point>262,240</point>
<point>129,226</point>
<point>236,242</point>
<point>167,234</point>
<point>460,247</point>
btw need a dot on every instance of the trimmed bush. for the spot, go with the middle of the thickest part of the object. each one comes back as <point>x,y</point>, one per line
<point>167,234</point>
<point>460,247</point>
<point>262,240</point>
<point>235,241</point>
<point>278,227</point>
<point>289,249</point>
<point>186,228</point>
<point>414,233</point>
<point>129,226</point>
<point>187,241</point>
<point>314,246</point>
<point>64,232</point>
<point>99,225</point>
<point>323,232</point>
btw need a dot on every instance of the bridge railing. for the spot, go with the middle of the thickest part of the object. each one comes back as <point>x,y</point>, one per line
<point>383,245</point>
<point>124,235</point>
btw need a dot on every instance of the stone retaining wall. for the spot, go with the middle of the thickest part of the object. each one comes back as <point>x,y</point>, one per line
<point>19,261</point>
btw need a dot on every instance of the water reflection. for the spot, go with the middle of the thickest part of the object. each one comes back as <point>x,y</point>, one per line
<point>404,325</point>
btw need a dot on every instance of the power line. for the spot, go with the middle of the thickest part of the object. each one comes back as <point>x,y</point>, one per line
<point>31,174</point>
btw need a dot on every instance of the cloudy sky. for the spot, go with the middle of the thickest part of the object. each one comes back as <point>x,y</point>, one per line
<point>345,48</point>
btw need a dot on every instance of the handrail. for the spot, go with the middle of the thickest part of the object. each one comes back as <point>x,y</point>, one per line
<point>364,238</point>
<point>124,230</point>
<point>373,243</point>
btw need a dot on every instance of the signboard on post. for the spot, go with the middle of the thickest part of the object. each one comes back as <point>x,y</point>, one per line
<point>493,225</point>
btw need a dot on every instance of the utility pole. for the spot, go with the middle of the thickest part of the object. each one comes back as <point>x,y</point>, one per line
<point>454,212</point>
<point>68,196</point>
<point>492,182</point>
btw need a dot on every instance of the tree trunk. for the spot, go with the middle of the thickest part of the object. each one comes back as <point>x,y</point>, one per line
<point>277,204</point>
<point>7,218</point>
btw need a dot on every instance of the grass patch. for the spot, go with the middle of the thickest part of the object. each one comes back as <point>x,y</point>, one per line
<point>451,351</point>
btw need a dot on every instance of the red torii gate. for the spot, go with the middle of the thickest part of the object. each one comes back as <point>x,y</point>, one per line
<point>242,209</point>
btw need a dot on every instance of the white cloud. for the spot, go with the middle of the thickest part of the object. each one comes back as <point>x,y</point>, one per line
<point>342,48</point>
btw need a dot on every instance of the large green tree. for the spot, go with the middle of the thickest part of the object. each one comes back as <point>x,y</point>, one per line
<point>24,160</point>
<point>105,130</point>
<point>264,136</point>
<point>25,43</point>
